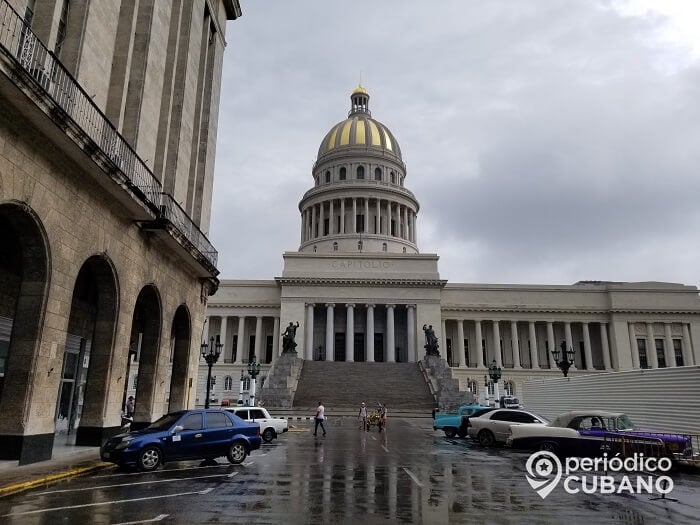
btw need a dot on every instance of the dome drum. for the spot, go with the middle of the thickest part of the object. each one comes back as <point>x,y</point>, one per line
<point>355,244</point>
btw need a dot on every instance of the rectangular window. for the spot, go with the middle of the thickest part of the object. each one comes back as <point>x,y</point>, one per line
<point>466,353</point>
<point>326,226</point>
<point>678,352</point>
<point>483,351</point>
<point>642,347</point>
<point>582,353</point>
<point>660,355</point>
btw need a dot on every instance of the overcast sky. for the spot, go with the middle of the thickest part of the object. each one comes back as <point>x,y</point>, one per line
<point>547,141</point>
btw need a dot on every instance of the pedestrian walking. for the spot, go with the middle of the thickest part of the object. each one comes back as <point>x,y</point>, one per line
<point>382,417</point>
<point>130,406</point>
<point>320,416</point>
<point>362,418</point>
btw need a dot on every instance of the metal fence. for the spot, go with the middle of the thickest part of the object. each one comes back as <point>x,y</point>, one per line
<point>45,68</point>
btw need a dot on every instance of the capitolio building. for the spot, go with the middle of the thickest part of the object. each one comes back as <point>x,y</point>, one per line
<point>362,291</point>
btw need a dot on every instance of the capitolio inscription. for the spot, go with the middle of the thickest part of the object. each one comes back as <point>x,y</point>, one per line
<point>358,264</point>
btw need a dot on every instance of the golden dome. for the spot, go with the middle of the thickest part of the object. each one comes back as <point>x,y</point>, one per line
<point>359,90</point>
<point>359,129</point>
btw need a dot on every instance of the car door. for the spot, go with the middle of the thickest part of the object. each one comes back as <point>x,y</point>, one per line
<point>183,444</point>
<point>243,413</point>
<point>500,422</point>
<point>218,434</point>
<point>258,416</point>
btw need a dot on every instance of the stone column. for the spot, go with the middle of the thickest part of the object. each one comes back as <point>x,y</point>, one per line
<point>587,347</point>
<point>405,222</point>
<point>313,221</point>
<point>569,342</point>
<point>342,215</point>
<point>390,345</point>
<point>376,217</point>
<point>411,352</point>
<point>443,340</point>
<point>551,345</point>
<point>460,343</point>
<point>634,347</point>
<point>370,333</point>
<point>668,343</point>
<point>365,226</point>
<point>479,344</point>
<point>497,344</point>
<point>321,221</point>
<point>303,226</point>
<point>309,332</point>
<point>258,339</point>
<point>353,223</point>
<point>687,348</point>
<point>240,349</point>
<point>228,349</point>
<point>605,345</point>
<point>652,357</point>
<point>515,341</point>
<point>330,331</point>
<point>350,333</point>
<point>331,217</point>
<point>534,357</point>
<point>275,338</point>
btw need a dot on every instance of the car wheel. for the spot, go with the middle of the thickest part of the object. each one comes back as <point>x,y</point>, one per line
<point>548,446</point>
<point>462,433</point>
<point>268,435</point>
<point>450,432</point>
<point>150,458</point>
<point>486,438</point>
<point>237,452</point>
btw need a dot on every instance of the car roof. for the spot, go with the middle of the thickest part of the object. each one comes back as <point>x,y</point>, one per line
<point>566,417</point>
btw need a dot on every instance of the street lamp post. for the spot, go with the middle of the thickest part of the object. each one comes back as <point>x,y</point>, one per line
<point>211,352</point>
<point>240,391</point>
<point>567,358</point>
<point>486,391</point>
<point>253,371</point>
<point>495,375</point>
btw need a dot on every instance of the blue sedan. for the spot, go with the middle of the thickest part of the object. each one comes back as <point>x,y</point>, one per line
<point>188,434</point>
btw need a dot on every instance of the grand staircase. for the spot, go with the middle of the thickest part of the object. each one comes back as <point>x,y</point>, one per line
<point>343,386</point>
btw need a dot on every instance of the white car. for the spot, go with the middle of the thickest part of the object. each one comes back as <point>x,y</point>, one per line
<point>494,427</point>
<point>270,427</point>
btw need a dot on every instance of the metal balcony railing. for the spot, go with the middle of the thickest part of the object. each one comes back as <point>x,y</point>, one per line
<point>171,210</point>
<point>18,40</point>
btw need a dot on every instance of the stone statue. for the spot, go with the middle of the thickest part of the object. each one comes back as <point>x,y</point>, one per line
<point>288,343</point>
<point>431,341</point>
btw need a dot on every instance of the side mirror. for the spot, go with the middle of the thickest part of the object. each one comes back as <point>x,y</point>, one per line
<point>176,429</point>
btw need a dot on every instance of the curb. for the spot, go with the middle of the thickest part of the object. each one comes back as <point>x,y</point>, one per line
<point>26,485</point>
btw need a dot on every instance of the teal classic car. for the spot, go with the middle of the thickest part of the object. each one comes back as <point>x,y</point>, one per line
<point>450,423</point>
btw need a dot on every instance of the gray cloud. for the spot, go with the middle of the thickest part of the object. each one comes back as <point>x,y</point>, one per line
<point>547,142</point>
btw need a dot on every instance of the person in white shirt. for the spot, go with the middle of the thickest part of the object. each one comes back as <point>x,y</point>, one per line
<point>362,418</point>
<point>320,416</point>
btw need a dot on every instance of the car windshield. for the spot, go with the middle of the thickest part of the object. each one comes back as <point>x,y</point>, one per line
<point>624,423</point>
<point>165,422</point>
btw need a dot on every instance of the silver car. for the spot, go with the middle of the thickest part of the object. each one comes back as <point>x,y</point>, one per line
<point>494,427</point>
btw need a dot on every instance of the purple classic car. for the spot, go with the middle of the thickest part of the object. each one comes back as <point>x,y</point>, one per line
<point>591,433</point>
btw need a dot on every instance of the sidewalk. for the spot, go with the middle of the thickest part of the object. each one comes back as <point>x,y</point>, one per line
<point>68,461</point>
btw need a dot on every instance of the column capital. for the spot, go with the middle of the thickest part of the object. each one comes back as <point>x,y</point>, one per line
<point>310,304</point>
<point>370,305</point>
<point>392,306</point>
<point>350,305</point>
<point>330,305</point>
<point>410,306</point>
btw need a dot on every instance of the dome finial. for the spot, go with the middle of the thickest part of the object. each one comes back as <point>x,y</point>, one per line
<point>359,99</point>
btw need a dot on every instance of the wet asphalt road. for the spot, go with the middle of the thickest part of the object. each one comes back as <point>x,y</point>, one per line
<point>409,474</point>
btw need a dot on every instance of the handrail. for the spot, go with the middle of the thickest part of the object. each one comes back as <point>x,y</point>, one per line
<point>431,388</point>
<point>17,38</point>
<point>174,213</point>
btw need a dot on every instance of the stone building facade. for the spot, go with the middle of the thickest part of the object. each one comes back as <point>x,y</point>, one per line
<point>362,291</point>
<point>108,116</point>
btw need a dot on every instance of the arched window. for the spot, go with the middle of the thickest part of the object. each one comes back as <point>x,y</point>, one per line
<point>246,383</point>
<point>473,387</point>
<point>328,177</point>
<point>342,173</point>
<point>393,177</point>
<point>335,246</point>
<point>228,383</point>
<point>509,388</point>
<point>360,172</point>
<point>359,245</point>
<point>404,249</point>
<point>377,174</point>
<point>314,248</point>
<point>384,247</point>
